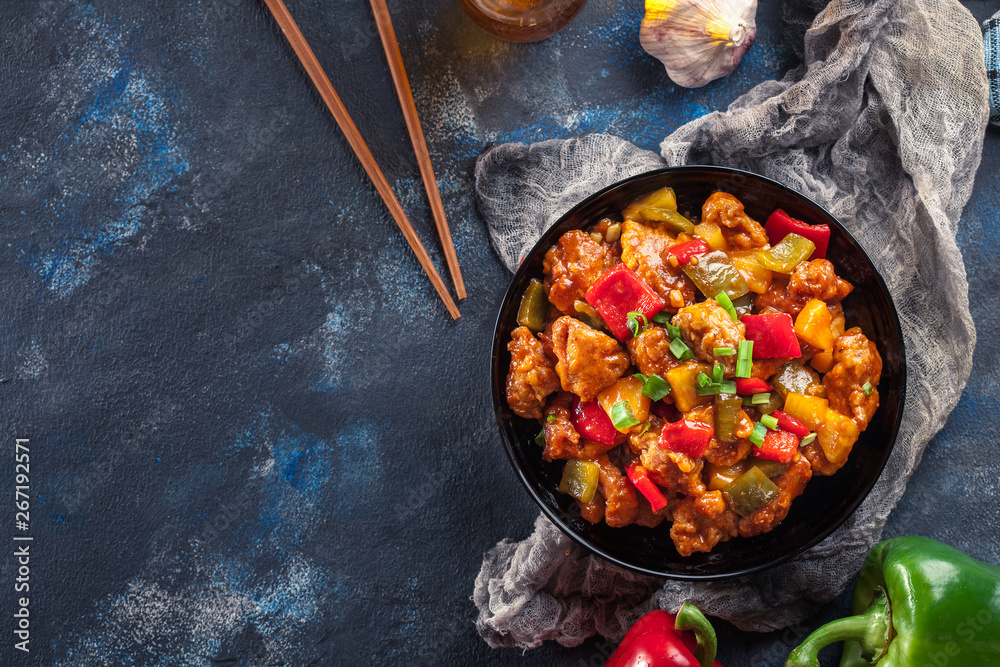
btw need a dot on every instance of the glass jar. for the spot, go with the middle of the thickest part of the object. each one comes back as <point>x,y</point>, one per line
<point>522,20</point>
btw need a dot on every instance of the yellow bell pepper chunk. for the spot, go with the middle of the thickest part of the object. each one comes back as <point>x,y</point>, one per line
<point>757,276</point>
<point>711,234</point>
<point>662,198</point>
<point>837,436</point>
<point>813,325</point>
<point>823,361</point>
<point>810,410</point>
<point>628,389</point>
<point>683,384</point>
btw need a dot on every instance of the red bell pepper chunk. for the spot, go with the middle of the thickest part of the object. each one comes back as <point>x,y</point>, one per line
<point>791,424</point>
<point>748,386</point>
<point>685,251</point>
<point>773,335</point>
<point>619,292</point>
<point>778,446</point>
<point>687,437</point>
<point>639,476</point>
<point>658,640</point>
<point>780,224</point>
<point>592,422</point>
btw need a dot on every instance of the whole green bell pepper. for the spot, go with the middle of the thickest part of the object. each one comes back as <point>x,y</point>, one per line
<point>917,602</point>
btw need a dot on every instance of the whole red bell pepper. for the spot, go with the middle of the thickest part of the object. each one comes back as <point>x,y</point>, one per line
<point>592,422</point>
<point>619,292</point>
<point>685,251</point>
<point>659,639</point>
<point>773,335</point>
<point>687,437</point>
<point>780,224</point>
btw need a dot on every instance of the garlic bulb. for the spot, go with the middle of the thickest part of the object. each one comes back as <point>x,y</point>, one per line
<point>698,40</point>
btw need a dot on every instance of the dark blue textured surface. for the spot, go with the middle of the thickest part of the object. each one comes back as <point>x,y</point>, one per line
<point>257,438</point>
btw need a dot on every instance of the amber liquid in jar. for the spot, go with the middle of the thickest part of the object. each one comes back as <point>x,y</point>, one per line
<point>522,20</point>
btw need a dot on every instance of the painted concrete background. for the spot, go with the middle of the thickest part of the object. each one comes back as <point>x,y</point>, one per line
<point>256,437</point>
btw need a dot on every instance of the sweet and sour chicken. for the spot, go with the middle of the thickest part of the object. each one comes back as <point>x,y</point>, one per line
<point>694,370</point>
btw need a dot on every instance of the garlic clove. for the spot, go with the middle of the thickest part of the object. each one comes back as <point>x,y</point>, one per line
<point>698,40</point>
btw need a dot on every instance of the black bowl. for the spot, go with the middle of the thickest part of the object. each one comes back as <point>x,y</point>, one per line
<point>827,501</point>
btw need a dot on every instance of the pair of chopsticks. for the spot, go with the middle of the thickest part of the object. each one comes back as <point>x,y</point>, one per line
<point>360,148</point>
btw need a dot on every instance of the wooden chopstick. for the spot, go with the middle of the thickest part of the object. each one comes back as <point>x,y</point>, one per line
<point>402,83</point>
<point>339,111</point>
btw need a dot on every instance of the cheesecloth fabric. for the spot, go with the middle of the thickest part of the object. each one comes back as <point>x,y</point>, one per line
<point>883,125</point>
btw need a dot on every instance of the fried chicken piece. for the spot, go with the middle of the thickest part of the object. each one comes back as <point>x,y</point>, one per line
<point>777,299</point>
<point>651,353</point>
<point>562,440</point>
<point>706,326</point>
<point>816,279</point>
<point>790,484</point>
<point>621,507</point>
<point>588,360</point>
<point>673,470</point>
<point>646,250</point>
<point>856,361</point>
<point>572,265</point>
<point>739,229</point>
<point>694,531</point>
<point>531,377</point>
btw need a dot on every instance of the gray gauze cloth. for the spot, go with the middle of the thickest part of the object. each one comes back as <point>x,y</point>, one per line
<point>883,125</point>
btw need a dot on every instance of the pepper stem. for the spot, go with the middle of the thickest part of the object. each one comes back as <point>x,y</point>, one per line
<point>870,629</point>
<point>690,618</point>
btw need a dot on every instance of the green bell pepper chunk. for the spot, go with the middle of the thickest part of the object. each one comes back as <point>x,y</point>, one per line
<point>773,402</point>
<point>715,274</point>
<point>579,479</point>
<point>751,491</point>
<point>793,376</point>
<point>727,410</point>
<point>534,307</point>
<point>785,256</point>
<point>916,602</point>
<point>770,468</point>
<point>674,221</point>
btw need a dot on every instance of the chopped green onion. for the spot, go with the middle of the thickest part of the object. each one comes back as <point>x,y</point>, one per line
<point>709,389</point>
<point>639,376</point>
<point>717,372</point>
<point>724,351</point>
<point>769,421</point>
<point>757,437</point>
<point>540,438</point>
<point>633,322</point>
<point>744,359</point>
<point>760,399</point>
<point>680,349</point>
<point>867,386</point>
<point>747,401</point>
<point>672,331</point>
<point>622,417</point>
<point>656,387</point>
<point>703,380</point>
<point>808,440</point>
<point>645,427</point>
<point>723,300</point>
<point>728,387</point>
<point>662,317</point>
<point>550,418</point>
